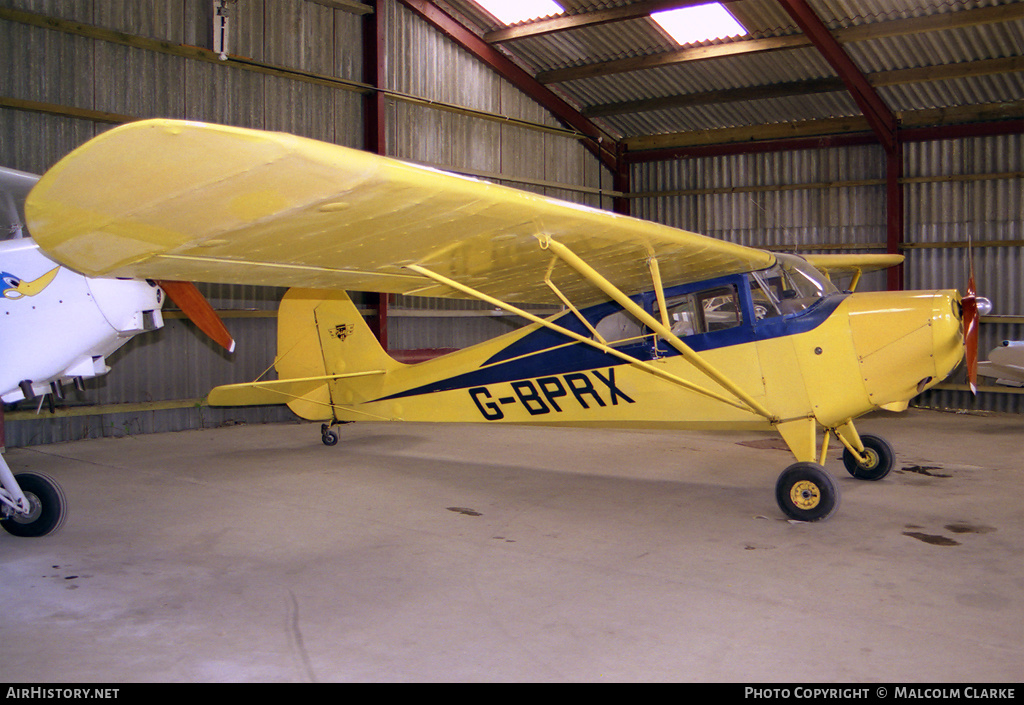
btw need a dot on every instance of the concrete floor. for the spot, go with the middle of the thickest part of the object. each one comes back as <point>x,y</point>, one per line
<point>487,553</point>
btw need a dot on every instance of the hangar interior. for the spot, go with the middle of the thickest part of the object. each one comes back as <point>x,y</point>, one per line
<point>762,145</point>
<point>829,126</point>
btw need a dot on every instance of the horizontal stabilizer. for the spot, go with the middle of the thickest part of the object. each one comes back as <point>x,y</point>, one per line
<point>278,391</point>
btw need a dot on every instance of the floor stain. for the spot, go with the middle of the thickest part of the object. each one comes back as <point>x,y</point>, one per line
<point>924,470</point>
<point>465,510</point>
<point>766,444</point>
<point>962,527</point>
<point>931,538</point>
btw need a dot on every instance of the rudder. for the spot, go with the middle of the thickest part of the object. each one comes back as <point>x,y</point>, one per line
<point>321,333</point>
<point>326,356</point>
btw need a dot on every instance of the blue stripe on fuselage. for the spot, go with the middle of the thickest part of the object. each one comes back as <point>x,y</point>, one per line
<point>545,352</point>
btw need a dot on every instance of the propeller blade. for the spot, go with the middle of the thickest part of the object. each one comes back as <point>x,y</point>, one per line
<point>193,304</point>
<point>969,304</point>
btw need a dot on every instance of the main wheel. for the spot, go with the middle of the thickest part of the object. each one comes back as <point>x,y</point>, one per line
<point>881,459</point>
<point>329,436</point>
<point>806,492</point>
<point>47,507</point>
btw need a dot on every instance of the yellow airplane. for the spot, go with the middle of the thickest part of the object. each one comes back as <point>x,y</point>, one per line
<point>658,327</point>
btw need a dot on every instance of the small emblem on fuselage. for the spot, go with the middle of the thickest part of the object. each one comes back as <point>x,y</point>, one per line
<point>14,287</point>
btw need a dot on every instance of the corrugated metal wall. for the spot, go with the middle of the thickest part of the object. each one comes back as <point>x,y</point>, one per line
<point>80,74</point>
<point>829,200</point>
<point>822,200</point>
<point>833,200</point>
<point>961,190</point>
<point>527,158</point>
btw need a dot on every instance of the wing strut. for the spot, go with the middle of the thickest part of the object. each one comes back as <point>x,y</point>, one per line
<point>595,278</point>
<point>639,364</point>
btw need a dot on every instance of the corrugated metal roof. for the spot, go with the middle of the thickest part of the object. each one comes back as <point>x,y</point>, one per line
<point>956,49</point>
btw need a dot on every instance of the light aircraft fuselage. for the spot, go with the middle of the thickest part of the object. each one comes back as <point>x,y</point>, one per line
<point>808,355</point>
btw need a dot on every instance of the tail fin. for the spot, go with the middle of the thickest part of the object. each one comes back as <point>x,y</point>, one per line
<point>321,338</point>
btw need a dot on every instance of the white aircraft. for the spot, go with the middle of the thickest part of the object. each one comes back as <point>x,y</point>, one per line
<point>1005,363</point>
<point>58,327</point>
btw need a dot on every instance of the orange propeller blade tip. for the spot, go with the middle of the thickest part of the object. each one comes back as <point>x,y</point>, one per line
<point>193,304</point>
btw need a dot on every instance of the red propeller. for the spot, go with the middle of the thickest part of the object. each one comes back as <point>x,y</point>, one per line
<point>969,305</point>
<point>973,307</point>
<point>194,305</point>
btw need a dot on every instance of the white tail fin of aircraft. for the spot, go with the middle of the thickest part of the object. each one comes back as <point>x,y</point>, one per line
<point>660,328</point>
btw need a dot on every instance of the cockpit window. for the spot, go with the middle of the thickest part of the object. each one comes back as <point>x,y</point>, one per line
<point>703,311</point>
<point>789,286</point>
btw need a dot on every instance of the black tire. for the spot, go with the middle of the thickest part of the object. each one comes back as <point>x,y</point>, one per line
<point>881,459</point>
<point>48,507</point>
<point>806,492</point>
<point>330,437</point>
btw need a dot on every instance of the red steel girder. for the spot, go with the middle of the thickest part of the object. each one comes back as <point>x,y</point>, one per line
<point>602,145</point>
<point>879,116</point>
<point>374,106</point>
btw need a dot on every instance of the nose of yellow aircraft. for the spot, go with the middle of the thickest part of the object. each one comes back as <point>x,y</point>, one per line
<point>905,342</point>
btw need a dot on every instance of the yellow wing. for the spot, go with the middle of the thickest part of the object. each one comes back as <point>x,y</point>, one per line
<point>163,199</point>
<point>851,264</point>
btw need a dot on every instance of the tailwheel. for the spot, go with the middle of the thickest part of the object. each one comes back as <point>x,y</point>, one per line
<point>806,492</point>
<point>329,435</point>
<point>47,507</point>
<point>880,459</point>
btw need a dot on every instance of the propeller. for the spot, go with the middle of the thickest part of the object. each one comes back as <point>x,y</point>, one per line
<point>973,307</point>
<point>193,304</point>
<point>969,305</point>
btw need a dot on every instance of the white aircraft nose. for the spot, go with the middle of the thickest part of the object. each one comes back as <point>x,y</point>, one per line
<point>130,306</point>
<point>984,306</point>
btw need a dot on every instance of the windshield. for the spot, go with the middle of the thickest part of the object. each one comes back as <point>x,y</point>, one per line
<point>789,286</point>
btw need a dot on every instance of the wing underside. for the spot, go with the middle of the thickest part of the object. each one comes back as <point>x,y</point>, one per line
<point>164,199</point>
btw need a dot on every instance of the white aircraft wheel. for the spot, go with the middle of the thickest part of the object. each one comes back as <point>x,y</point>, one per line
<point>48,508</point>
<point>806,492</point>
<point>881,459</point>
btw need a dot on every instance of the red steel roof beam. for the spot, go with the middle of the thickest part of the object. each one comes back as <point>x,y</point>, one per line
<point>877,113</point>
<point>599,143</point>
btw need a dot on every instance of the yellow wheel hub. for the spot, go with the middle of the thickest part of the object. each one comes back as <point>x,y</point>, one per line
<point>872,459</point>
<point>805,495</point>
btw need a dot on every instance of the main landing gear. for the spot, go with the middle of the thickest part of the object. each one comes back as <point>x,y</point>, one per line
<point>329,433</point>
<point>806,492</point>
<point>31,504</point>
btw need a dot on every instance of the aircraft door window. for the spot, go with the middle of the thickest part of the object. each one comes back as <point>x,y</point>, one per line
<point>703,312</point>
<point>682,315</point>
<point>721,308</point>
